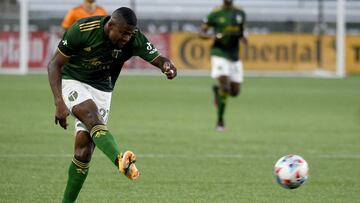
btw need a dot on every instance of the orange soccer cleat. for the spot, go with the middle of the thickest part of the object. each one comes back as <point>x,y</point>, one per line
<point>127,165</point>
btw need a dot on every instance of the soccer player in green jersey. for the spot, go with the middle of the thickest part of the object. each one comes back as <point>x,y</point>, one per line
<point>228,23</point>
<point>82,75</point>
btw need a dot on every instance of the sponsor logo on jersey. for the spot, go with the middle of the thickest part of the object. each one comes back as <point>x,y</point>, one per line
<point>232,28</point>
<point>151,48</point>
<point>88,49</point>
<point>222,20</point>
<point>95,62</point>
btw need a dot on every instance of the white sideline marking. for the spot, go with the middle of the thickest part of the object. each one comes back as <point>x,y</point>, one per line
<point>233,156</point>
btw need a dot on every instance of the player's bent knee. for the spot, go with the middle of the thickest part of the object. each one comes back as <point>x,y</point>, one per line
<point>234,93</point>
<point>84,154</point>
<point>235,89</point>
<point>88,113</point>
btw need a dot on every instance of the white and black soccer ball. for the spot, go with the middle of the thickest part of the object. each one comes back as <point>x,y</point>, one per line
<point>291,171</point>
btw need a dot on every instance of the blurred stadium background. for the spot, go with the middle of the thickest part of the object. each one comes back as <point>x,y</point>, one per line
<point>294,37</point>
<point>187,160</point>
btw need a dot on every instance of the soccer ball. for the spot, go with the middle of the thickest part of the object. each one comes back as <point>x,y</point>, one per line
<point>291,171</point>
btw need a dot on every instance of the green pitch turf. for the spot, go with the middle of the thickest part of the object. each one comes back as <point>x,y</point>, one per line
<point>170,126</point>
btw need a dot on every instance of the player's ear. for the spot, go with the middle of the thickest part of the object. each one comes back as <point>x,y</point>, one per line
<point>111,24</point>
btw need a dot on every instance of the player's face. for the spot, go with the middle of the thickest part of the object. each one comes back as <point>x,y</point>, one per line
<point>120,34</point>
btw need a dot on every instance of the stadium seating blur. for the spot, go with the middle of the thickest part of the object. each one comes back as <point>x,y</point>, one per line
<point>270,11</point>
<point>264,10</point>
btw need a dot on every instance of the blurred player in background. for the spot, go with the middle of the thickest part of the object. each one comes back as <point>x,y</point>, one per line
<point>82,75</point>
<point>228,23</point>
<point>87,9</point>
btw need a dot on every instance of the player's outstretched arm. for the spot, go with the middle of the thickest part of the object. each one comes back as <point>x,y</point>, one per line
<point>54,76</point>
<point>166,66</point>
<point>203,32</point>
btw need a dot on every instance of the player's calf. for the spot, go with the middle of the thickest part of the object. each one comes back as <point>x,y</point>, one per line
<point>215,90</point>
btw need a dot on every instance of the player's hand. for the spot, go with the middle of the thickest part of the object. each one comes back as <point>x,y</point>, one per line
<point>244,40</point>
<point>169,70</point>
<point>61,113</point>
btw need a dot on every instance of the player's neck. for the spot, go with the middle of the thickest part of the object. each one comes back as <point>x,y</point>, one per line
<point>227,6</point>
<point>89,7</point>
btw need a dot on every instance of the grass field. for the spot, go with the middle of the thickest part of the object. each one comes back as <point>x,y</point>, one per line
<point>170,126</point>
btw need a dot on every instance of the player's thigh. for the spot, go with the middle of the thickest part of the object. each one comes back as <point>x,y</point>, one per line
<point>219,67</point>
<point>92,106</point>
<point>75,95</point>
<point>88,113</point>
<point>102,101</point>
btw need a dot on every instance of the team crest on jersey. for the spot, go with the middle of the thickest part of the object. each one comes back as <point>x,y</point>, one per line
<point>88,49</point>
<point>116,53</point>
<point>73,96</point>
<point>222,20</point>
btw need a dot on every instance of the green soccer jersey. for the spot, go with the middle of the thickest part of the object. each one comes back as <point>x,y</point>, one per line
<point>94,60</point>
<point>229,22</point>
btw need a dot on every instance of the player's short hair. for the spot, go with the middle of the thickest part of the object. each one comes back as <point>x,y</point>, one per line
<point>125,14</point>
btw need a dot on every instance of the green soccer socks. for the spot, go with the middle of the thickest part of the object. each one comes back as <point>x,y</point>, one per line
<point>221,107</point>
<point>105,142</point>
<point>77,174</point>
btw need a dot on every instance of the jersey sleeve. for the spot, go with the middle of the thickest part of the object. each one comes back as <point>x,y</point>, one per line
<point>209,19</point>
<point>144,48</point>
<point>244,17</point>
<point>71,41</point>
<point>243,22</point>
